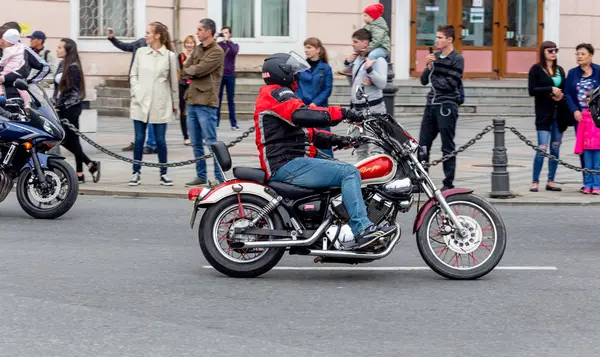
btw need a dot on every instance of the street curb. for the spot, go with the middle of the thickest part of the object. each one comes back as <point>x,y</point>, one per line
<point>496,202</point>
<point>136,194</point>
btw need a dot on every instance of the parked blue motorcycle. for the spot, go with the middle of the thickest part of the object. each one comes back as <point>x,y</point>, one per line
<point>46,185</point>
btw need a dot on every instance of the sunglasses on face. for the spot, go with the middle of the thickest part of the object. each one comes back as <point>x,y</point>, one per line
<point>552,50</point>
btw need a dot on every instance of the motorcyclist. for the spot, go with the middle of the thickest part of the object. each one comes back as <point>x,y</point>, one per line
<point>287,142</point>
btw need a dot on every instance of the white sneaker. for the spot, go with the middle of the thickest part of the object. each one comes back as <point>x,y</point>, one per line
<point>165,180</point>
<point>136,179</point>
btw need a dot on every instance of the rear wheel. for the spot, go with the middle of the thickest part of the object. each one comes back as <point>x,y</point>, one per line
<point>463,257</point>
<point>216,235</point>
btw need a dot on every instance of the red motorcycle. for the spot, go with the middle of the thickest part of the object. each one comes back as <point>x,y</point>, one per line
<point>249,223</point>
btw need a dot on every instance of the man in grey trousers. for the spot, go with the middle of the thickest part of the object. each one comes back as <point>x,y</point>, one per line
<point>372,75</point>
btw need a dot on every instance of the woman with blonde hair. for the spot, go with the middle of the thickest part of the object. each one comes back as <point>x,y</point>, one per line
<point>189,43</point>
<point>154,95</point>
<point>315,84</point>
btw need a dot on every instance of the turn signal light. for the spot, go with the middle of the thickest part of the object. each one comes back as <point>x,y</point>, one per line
<point>28,145</point>
<point>193,193</point>
<point>197,192</point>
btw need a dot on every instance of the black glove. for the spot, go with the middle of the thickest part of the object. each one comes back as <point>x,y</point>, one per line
<point>351,116</point>
<point>16,117</point>
<point>341,141</point>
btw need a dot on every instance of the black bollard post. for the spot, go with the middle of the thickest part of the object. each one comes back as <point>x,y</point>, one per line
<point>500,180</point>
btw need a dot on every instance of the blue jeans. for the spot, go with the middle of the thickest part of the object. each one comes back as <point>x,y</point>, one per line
<point>202,124</point>
<point>591,160</point>
<point>160,131</point>
<point>228,82</point>
<point>552,137</point>
<point>378,52</point>
<point>319,173</point>
<point>151,142</point>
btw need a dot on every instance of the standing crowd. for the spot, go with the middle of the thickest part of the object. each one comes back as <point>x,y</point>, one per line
<point>562,100</point>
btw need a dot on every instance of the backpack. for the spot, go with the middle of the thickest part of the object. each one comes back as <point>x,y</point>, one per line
<point>595,107</point>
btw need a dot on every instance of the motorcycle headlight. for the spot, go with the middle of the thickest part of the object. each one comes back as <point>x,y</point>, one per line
<point>49,127</point>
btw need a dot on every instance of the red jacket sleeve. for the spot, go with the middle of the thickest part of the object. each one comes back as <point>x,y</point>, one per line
<point>287,106</point>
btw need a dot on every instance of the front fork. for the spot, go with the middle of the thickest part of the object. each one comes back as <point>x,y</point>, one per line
<point>37,166</point>
<point>433,192</point>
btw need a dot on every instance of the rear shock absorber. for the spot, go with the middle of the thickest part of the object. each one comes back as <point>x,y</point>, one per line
<point>266,210</point>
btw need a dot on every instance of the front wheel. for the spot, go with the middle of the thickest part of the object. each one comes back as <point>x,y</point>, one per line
<point>53,198</point>
<point>216,235</point>
<point>463,257</point>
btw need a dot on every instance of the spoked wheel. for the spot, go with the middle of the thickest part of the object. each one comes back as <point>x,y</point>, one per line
<point>53,198</point>
<point>216,234</point>
<point>468,256</point>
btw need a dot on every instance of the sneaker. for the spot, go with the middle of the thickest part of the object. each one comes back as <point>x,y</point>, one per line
<point>149,150</point>
<point>81,179</point>
<point>136,179</point>
<point>596,191</point>
<point>372,234</point>
<point>165,180</point>
<point>128,147</point>
<point>587,191</point>
<point>235,128</point>
<point>187,142</point>
<point>196,182</point>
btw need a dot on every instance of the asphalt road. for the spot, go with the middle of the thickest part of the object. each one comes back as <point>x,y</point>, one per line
<point>125,277</point>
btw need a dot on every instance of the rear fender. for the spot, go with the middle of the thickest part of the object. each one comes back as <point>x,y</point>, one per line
<point>226,189</point>
<point>429,204</point>
<point>44,158</point>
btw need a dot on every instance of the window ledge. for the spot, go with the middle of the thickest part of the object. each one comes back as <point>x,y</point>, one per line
<point>267,46</point>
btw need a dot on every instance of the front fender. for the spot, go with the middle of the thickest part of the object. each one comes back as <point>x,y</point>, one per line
<point>44,158</point>
<point>423,211</point>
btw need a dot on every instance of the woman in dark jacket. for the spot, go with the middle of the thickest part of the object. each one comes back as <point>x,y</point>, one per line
<point>315,85</point>
<point>546,84</point>
<point>69,91</point>
<point>188,46</point>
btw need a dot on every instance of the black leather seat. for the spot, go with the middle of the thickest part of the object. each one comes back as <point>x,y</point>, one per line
<point>293,192</point>
<point>250,174</point>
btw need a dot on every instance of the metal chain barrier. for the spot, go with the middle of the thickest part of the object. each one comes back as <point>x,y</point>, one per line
<point>66,123</point>
<point>550,156</point>
<point>470,143</point>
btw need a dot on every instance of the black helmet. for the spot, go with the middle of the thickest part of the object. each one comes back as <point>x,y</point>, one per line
<point>281,68</point>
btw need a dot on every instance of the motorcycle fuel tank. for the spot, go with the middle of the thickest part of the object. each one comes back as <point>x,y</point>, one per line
<point>376,169</point>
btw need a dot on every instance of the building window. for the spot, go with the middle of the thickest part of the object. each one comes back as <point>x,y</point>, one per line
<point>257,18</point>
<point>97,15</point>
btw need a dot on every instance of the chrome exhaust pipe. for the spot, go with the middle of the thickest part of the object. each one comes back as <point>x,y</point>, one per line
<point>285,242</point>
<point>351,254</point>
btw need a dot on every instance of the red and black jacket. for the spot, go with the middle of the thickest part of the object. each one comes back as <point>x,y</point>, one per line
<point>285,127</point>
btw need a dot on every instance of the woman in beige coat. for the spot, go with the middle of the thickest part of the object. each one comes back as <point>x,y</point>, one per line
<point>154,95</point>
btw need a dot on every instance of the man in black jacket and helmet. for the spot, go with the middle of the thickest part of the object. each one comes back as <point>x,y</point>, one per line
<point>287,140</point>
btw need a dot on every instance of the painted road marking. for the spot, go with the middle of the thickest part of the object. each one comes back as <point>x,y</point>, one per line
<point>551,268</point>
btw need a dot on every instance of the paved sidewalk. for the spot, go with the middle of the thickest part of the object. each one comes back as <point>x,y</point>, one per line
<point>473,171</point>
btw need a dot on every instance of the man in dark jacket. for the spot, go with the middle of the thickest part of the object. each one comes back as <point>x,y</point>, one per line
<point>133,47</point>
<point>444,70</point>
